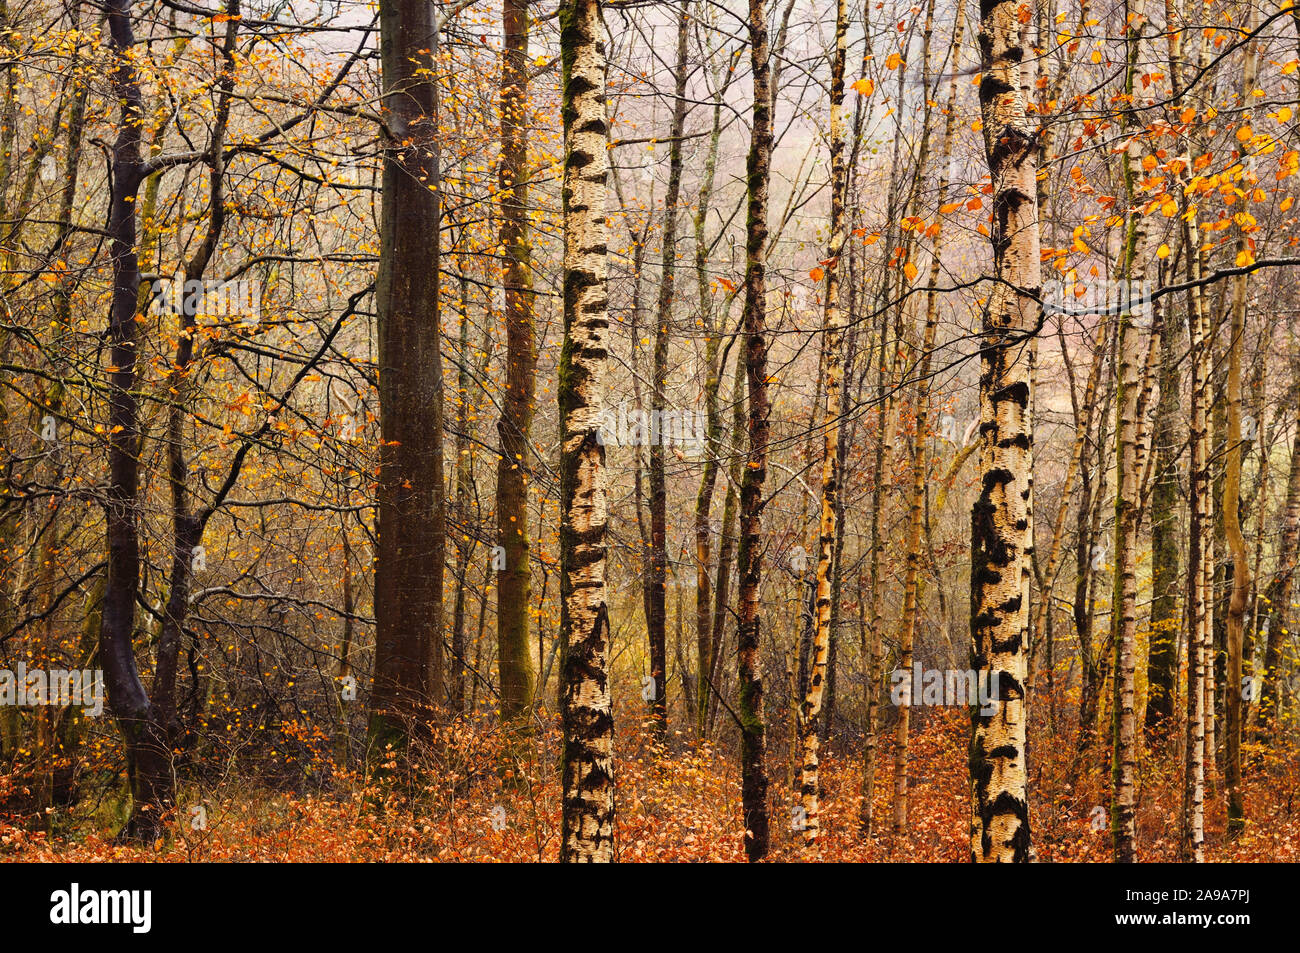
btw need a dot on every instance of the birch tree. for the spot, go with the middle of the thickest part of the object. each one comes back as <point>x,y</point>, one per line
<point>587,767</point>
<point>1001,520</point>
<point>828,521</point>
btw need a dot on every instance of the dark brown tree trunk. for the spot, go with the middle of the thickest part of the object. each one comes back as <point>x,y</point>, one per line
<point>750,557</point>
<point>412,539</point>
<point>148,749</point>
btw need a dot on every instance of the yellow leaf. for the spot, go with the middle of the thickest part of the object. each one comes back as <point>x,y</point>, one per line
<point>1244,258</point>
<point>893,60</point>
<point>1163,251</point>
<point>910,270</point>
<point>864,86</point>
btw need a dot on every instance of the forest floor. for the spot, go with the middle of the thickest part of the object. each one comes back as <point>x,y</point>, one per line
<point>678,802</point>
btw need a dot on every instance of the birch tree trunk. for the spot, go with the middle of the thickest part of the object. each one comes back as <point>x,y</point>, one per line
<point>1199,503</point>
<point>1001,519</point>
<point>1129,400</point>
<point>1198,594</point>
<point>828,522</point>
<point>587,767</point>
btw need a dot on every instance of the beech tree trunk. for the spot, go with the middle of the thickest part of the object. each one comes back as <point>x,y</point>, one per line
<point>412,538</point>
<point>148,749</point>
<point>514,577</point>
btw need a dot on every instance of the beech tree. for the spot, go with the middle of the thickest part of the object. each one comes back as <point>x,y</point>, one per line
<point>515,575</point>
<point>410,494</point>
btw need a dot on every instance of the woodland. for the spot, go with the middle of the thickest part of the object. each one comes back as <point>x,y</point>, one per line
<point>649,430</point>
